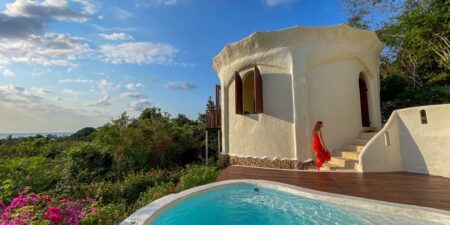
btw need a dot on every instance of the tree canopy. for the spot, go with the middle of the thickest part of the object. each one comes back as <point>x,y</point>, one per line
<point>415,65</point>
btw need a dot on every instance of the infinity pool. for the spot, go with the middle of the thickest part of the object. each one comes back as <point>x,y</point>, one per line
<point>249,204</point>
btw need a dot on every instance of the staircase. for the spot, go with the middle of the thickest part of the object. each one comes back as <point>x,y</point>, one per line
<point>348,158</point>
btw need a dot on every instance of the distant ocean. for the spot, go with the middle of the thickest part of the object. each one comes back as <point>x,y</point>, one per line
<point>17,135</point>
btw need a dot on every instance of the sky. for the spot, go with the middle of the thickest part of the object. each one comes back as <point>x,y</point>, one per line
<point>65,65</point>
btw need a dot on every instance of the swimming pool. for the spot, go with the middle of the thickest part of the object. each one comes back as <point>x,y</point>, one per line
<point>267,203</point>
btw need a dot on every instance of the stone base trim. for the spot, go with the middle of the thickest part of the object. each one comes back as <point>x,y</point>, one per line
<point>268,163</point>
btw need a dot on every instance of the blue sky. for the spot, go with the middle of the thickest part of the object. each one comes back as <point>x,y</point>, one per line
<point>65,65</point>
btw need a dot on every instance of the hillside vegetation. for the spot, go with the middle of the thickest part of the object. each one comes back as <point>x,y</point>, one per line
<point>99,176</point>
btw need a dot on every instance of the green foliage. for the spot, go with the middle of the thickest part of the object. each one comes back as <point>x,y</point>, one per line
<point>153,140</point>
<point>130,188</point>
<point>85,134</point>
<point>6,191</point>
<point>110,214</point>
<point>391,83</point>
<point>125,163</point>
<point>37,172</point>
<point>416,62</point>
<point>152,194</point>
<point>197,175</point>
<point>89,163</point>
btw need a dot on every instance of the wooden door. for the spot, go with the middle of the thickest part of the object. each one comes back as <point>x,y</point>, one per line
<point>364,103</point>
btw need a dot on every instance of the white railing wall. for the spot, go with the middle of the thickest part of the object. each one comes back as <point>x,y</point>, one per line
<point>408,143</point>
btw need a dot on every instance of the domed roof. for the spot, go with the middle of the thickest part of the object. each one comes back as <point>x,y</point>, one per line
<point>296,36</point>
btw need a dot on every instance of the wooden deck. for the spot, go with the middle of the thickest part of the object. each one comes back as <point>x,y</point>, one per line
<point>405,188</point>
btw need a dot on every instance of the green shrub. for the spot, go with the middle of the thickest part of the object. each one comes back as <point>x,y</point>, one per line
<point>109,214</point>
<point>88,163</point>
<point>130,188</point>
<point>152,194</point>
<point>6,191</point>
<point>38,173</point>
<point>195,175</point>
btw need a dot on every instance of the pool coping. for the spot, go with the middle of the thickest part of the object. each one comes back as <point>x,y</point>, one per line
<point>149,212</point>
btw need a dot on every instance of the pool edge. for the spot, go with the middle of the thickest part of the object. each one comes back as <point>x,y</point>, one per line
<point>152,210</point>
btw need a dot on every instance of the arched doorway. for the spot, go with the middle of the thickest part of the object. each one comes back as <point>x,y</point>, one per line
<point>364,102</point>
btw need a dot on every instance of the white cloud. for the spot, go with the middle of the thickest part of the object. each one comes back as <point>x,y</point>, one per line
<point>132,86</point>
<point>17,94</point>
<point>111,29</point>
<point>122,14</point>
<point>132,95</point>
<point>181,85</point>
<point>102,102</point>
<point>139,105</point>
<point>71,92</point>
<point>138,53</point>
<point>24,34</point>
<point>187,65</point>
<point>273,3</point>
<point>22,18</point>
<point>40,90</point>
<point>117,36</point>
<point>28,112</point>
<point>158,2</point>
<point>8,73</point>
<point>50,49</point>
<point>77,81</point>
<point>104,85</point>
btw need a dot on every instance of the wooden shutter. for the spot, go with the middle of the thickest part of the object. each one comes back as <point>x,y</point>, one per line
<point>259,108</point>
<point>238,94</point>
<point>218,114</point>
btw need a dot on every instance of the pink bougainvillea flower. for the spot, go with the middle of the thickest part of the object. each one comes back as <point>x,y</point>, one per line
<point>89,199</point>
<point>64,201</point>
<point>2,205</point>
<point>94,210</point>
<point>53,214</point>
<point>33,198</point>
<point>5,215</point>
<point>25,190</point>
<point>46,198</point>
<point>18,201</point>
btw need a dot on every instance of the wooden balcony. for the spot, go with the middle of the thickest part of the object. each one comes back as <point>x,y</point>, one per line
<point>213,119</point>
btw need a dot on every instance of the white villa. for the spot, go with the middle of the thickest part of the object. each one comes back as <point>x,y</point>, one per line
<point>276,85</point>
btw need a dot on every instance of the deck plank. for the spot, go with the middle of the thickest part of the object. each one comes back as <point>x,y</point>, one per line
<point>398,187</point>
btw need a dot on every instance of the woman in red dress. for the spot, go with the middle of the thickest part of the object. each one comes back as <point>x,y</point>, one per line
<point>320,149</point>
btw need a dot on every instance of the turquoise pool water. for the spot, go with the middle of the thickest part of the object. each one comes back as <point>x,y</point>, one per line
<point>245,204</point>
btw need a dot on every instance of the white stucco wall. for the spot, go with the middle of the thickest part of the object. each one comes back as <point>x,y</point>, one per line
<point>334,99</point>
<point>293,63</point>
<point>405,144</point>
<point>269,134</point>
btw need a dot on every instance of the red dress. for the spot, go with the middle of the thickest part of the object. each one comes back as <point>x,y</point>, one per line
<point>322,155</point>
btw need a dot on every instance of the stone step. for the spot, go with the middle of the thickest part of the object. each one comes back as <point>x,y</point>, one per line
<point>357,148</point>
<point>346,170</point>
<point>351,155</point>
<point>360,142</point>
<point>343,162</point>
<point>367,135</point>
<point>368,129</point>
<point>330,167</point>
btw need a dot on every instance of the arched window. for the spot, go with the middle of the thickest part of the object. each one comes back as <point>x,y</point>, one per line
<point>249,92</point>
<point>249,95</point>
